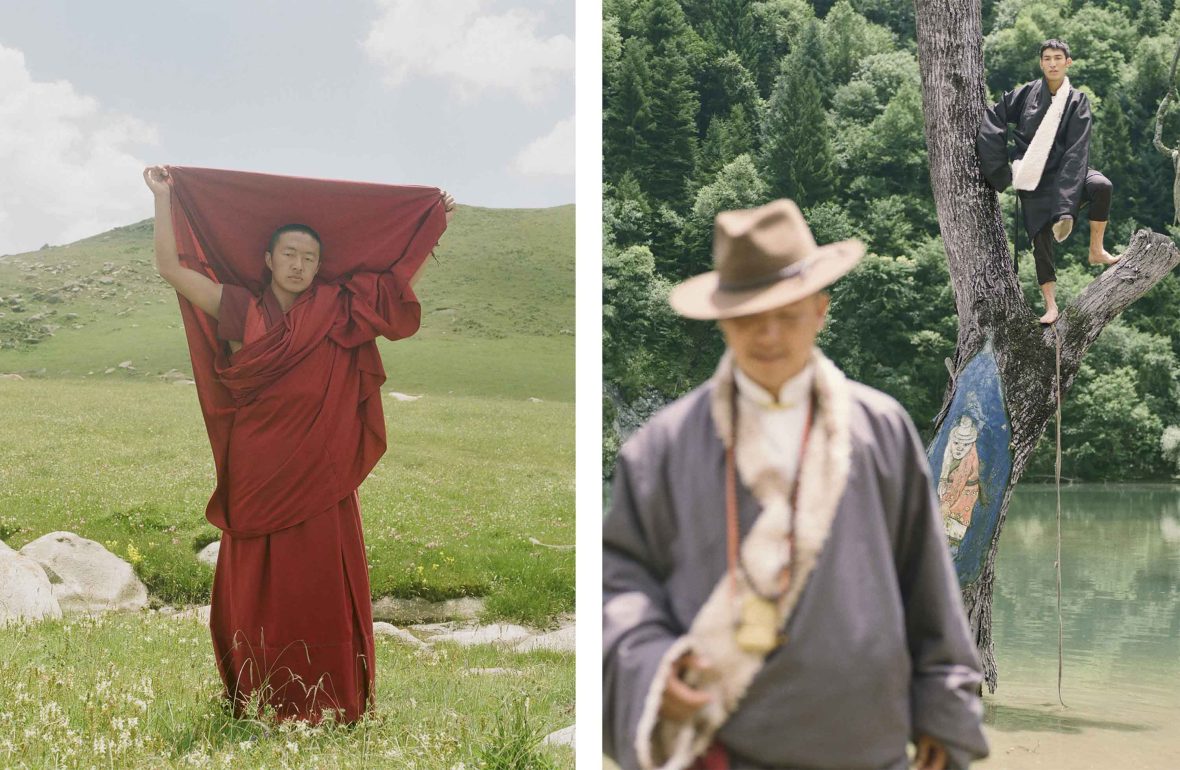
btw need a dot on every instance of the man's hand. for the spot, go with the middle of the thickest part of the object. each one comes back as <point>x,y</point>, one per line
<point>680,701</point>
<point>448,205</point>
<point>931,754</point>
<point>158,180</point>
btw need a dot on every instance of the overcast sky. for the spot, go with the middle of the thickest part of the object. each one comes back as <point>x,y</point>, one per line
<point>476,96</point>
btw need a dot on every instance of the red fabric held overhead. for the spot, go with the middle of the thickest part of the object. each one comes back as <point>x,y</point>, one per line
<point>295,421</point>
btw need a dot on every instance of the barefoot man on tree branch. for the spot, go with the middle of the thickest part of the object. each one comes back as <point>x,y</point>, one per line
<point>1049,164</point>
<point>282,337</point>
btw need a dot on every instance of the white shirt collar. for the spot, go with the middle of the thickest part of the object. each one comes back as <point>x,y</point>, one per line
<point>793,392</point>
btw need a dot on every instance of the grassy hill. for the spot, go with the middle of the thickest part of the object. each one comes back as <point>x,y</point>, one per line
<point>475,468</point>
<point>498,309</point>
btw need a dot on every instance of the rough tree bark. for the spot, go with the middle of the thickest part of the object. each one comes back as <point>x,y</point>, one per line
<point>986,289</point>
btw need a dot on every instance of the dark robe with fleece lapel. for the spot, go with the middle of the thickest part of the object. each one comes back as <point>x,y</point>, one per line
<point>878,649</point>
<point>1064,177</point>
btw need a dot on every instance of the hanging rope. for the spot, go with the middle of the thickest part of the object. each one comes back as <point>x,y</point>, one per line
<point>1057,565</point>
<point>1016,236</point>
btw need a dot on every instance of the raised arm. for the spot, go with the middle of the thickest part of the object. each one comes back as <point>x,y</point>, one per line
<point>196,288</point>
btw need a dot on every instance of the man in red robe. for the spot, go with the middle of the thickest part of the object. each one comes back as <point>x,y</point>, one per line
<point>288,375</point>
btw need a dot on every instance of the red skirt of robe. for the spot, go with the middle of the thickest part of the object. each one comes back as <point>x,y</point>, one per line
<point>312,596</point>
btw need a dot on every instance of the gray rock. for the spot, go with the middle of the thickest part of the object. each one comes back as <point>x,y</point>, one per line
<point>25,592</point>
<point>500,633</point>
<point>562,737</point>
<point>433,629</point>
<point>13,376</point>
<point>561,640</point>
<point>208,554</point>
<point>85,576</point>
<point>405,612</point>
<point>402,396</point>
<point>388,629</point>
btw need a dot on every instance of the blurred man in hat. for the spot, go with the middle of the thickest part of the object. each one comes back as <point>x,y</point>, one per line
<point>776,584</point>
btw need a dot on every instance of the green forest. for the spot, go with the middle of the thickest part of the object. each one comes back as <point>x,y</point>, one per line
<point>728,104</point>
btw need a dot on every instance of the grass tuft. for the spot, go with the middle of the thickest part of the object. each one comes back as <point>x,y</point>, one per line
<point>514,741</point>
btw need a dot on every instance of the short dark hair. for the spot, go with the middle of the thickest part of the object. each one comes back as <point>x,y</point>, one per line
<point>294,227</point>
<point>1054,43</point>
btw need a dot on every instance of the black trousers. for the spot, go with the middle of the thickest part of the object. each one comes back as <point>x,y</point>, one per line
<point>1097,193</point>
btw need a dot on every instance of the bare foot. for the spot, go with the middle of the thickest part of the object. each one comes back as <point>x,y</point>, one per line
<point>1103,257</point>
<point>1050,315</point>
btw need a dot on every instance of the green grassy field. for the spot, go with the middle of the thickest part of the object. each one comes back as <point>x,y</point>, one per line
<point>76,693</point>
<point>483,461</point>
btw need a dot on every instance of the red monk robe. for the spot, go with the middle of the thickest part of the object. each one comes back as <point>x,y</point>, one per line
<point>295,420</point>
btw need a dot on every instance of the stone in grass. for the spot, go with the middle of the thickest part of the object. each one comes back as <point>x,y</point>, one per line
<point>402,635</point>
<point>25,592</point>
<point>434,629</point>
<point>409,611</point>
<point>402,396</point>
<point>561,640</point>
<point>562,737</point>
<point>85,576</point>
<point>500,633</point>
<point>208,554</point>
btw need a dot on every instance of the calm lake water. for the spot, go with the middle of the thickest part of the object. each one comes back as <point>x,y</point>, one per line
<point>1121,612</point>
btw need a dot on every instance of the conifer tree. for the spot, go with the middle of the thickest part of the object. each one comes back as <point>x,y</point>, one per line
<point>796,159</point>
<point>627,120</point>
<point>671,136</point>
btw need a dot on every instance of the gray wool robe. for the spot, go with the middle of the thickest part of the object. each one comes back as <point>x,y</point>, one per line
<point>878,649</point>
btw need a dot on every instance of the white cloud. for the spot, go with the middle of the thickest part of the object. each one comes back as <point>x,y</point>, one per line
<point>470,47</point>
<point>552,154</point>
<point>67,166</point>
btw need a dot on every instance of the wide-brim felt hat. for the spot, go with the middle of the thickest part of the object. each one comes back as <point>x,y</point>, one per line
<point>764,258</point>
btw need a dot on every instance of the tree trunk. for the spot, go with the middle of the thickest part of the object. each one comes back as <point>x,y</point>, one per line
<point>987,292</point>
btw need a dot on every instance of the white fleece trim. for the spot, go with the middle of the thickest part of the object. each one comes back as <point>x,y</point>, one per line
<point>1027,171</point>
<point>664,745</point>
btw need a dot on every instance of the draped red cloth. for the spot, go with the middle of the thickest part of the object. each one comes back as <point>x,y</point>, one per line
<point>295,422</point>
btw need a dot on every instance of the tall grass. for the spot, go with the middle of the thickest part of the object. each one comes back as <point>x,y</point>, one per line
<point>141,691</point>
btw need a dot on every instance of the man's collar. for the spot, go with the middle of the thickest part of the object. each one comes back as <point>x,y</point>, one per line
<point>792,393</point>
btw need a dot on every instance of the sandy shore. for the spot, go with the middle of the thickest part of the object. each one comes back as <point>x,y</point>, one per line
<point>1118,733</point>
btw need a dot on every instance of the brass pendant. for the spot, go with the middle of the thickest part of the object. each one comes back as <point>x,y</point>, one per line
<point>757,630</point>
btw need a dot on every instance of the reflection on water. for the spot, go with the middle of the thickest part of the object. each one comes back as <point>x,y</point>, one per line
<point>1121,612</point>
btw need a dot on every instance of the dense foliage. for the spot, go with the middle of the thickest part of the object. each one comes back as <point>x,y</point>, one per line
<point>731,103</point>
